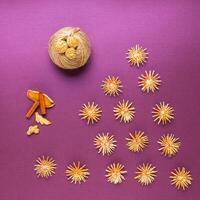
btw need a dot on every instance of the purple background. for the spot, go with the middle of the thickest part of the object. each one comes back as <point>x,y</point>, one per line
<point>169,29</point>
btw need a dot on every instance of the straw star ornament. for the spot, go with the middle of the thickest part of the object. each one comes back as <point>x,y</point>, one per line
<point>169,145</point>
<point>163,113</point>
<point>112,86</point>
<point>124,111</point>
<point>90,112</point>
<point>77,173</point>
<point>137,141</point>
<point>115,173</point>
<point>137,55</point>
<point>45,167</point>
<point>105,143</point>
<point>149,82</point>
<point>181,178</point>
<point>146,174</point>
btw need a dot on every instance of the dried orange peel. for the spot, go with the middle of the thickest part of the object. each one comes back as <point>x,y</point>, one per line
<point>40,100</point>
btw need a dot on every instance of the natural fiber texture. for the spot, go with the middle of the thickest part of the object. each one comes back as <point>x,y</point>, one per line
<point>69,48</point>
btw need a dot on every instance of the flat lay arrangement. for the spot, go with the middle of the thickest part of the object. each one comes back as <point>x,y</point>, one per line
<point>105,143</point>
<point>99,100</point>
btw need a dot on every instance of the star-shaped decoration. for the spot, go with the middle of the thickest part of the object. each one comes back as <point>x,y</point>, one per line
<point>137,55</point>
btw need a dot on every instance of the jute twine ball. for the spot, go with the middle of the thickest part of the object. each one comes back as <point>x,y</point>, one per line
<point>69,48</point>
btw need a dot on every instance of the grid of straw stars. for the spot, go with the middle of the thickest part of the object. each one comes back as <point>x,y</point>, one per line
<point>137,141</point>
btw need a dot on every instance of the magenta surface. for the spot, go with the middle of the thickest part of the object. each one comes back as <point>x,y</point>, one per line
<point>168,29</point>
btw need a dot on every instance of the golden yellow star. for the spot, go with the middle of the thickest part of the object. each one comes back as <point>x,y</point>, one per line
<point>149,82</point>
<point>112,86</point>
<point>169,145</point>
<point>45,167</point>
<point>115,173</point>
<point>146,174</point>
<point>91,112</point>
<point>137,141</point>
<point>181,178</point>
<point>124,111</point>
<point>163,113</point>
<point>105,144</point>
<point>77,173</point>
<point>137,55</point>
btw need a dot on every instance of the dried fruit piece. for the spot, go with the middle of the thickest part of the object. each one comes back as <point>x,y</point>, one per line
<point>33,130</point>
<point>35,96</point>
<point>41,120</point>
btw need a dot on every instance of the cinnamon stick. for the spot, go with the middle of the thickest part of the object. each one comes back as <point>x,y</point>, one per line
<point>32,109</point>
<point>42,104</point>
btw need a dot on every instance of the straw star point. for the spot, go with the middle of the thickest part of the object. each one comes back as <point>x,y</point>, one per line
<point>90,112</point>
<point>169,145</point>
<point>124,111</point>
<point>181,178</point>
<point>163,113</point>
<point>112,86</point>
<point>45,167</point>
<point>77,173</point>
<point>137,55</point>
<point>149,82</point>
<point>145,174</point>
<point>115,173</point>
<point>137,141</point>
<point>105,143</point>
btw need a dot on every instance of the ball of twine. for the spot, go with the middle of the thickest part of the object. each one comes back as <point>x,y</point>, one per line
<point>69,48</point>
